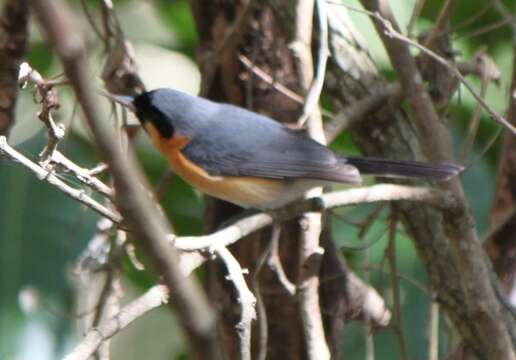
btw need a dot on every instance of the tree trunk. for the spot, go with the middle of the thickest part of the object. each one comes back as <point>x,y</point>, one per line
<point>13,48</point>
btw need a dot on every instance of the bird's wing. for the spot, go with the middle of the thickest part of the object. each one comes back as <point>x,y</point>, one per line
<point>247,144</point>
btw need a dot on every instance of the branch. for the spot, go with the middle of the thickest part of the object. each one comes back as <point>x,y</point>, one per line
<point>245,298</point>
<point>153,298</point>
<point>49,177</point>
<point>270,80</point>
<point>82,174</point>
<point>438,199</point>
<point>49,102</point>
<point>313,95</point>
<point>133,202</point>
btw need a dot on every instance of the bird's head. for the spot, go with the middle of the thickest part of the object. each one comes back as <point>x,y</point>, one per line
<point>170,112</point>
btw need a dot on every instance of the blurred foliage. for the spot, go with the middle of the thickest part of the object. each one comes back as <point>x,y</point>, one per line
<point>42,232</point>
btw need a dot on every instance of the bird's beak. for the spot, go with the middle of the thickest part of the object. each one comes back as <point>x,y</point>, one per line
<point>124,100</point>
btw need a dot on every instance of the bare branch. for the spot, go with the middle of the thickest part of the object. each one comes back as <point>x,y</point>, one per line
<point>313,95</point>
<point>377,193</point>
<point>269,80</point>
<point>274,263</point>
<point>49,102</point>
<point>84,175</point>
<point>48,176</point>
<point>153,298</point>
<point>245,298</point>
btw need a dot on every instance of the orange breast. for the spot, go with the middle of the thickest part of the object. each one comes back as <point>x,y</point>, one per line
<point>243,191</point>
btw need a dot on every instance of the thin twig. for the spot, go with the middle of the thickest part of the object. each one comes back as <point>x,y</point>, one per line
<point>48,176</point>
<point>245,298</point>
<point>440,24</point>
<point>282,89</point>
<point>275,264</point>
<point>313,95</point>
<point>470,20</point>
<point>506,14</point>
<point>418,285</point>
<point>418,7</point>
<point>269,80</point>
<point>484,30</point>
<point>91,21</point>
<point>263,331</point>
<point>473,124</point>
<point>153,298</point>
<point>84,175</point>
<point>49,102</point>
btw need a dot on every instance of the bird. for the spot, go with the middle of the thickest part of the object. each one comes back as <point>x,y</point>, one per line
<point>249,159</point>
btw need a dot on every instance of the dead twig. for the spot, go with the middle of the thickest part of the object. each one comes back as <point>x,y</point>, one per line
<point>153,298</point>
<point>274,263</point>
<point>313,95</point>
<point>49,101</point>
<point>245,298</point>
<point>48,176</point>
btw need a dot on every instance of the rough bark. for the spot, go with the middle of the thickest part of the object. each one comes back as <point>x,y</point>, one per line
<point>13,47</point>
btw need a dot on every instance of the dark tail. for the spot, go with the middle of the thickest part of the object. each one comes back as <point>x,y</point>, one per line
<point>404,169</point>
